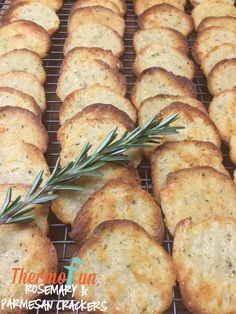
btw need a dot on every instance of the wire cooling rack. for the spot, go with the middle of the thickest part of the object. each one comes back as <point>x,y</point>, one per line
<point>58,231</point>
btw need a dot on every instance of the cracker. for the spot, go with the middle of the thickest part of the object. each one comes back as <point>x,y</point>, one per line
<point>204,257</point>
<point>173,156</point>
<point>125,246</point>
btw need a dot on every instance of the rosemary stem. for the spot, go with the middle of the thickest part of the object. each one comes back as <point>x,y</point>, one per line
<point>110,150</point>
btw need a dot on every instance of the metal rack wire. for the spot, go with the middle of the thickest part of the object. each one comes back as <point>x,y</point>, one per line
<point>58,231</point>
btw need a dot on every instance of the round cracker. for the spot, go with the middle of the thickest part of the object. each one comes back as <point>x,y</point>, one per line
<point>205,259</point>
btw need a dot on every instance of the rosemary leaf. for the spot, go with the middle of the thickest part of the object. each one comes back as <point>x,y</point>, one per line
<point>37,182</point>
<point>45,199</point>
<point>20,219</point>
<point>6,201</point>
<point>68,187</point>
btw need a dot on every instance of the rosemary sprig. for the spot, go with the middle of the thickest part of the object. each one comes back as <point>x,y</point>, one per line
<point>110,150</point>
